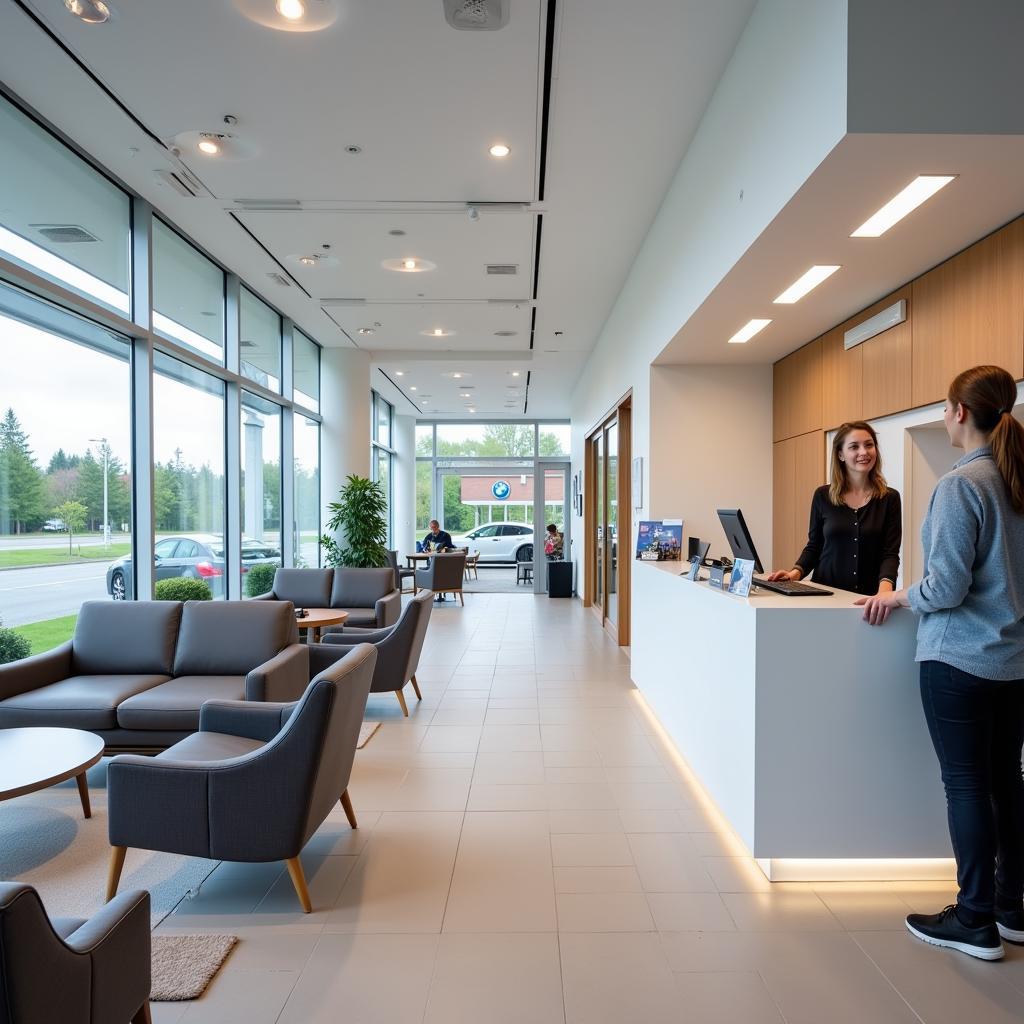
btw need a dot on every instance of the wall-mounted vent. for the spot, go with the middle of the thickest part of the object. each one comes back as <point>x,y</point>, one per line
<point>279,279</point>
<point>182,182</point>
<point>64,233</point>
<point>502,268</point>
<point>476,15</point>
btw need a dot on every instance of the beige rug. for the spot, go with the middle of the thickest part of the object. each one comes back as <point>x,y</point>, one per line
<point>183,965</point>
<point>366,730</point>
<point>45,841</point>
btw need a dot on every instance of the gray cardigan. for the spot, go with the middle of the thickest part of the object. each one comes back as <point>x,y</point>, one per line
<point>971,599</point>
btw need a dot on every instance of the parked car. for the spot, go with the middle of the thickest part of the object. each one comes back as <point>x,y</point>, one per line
<point>55,525</point>
<point>497,542</point>
<point>199,555</point>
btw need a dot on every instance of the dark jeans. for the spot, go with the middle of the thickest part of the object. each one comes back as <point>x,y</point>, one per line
<point>977,728</point>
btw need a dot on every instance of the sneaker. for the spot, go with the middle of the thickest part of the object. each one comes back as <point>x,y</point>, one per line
<point>1011,925</point>
<point>946,929</point>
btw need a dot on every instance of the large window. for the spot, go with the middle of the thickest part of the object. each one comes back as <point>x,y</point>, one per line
<point>261,485</point>
<point>307,491</point>
<point>260,329</point>
<point>188,294</point>
<point>382,453</point>
<point>59,216</point>
<point>188,445</point>
<point>306,365</point>
<point>65,457</point>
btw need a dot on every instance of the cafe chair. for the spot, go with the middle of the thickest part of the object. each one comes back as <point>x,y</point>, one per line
<point>443,575</point>
<point>401,573</point>
<point>471,563</point>
<point>524,564</point>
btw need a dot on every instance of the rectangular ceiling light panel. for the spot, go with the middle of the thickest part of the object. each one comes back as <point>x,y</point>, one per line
<point>799,288</point>
<point>923,187</point>
<point>745,333</point>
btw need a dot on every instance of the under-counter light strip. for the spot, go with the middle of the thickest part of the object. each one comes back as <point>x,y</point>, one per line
<point>745,333</point>
<point>799,288</point>
<point>922,188</point>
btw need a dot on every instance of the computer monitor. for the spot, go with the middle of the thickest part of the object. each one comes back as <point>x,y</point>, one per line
<point>738,535</point>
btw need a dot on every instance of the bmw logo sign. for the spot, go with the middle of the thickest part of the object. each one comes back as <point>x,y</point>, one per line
<point>500,489</point>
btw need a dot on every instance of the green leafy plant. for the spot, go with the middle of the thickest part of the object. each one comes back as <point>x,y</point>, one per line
<point>183,588</point>
<point>359,516</point>
<point>13,646</point>
<point>73,514</point>
<point>260,579</point>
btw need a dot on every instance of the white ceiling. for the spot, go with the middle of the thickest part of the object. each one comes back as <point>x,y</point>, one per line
<point>423,102</point>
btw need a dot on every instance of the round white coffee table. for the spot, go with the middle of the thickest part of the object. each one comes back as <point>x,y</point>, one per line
<point>35,758</point>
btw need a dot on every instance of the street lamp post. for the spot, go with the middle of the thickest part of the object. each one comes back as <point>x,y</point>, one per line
<point>105,449</point>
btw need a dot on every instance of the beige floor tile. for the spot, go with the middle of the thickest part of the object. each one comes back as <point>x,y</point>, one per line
<point>473,715</point>
<point>242,997</point>
<point>571,759</point>
<point>690,912</point>
<point>364,979</point>
<point>512,716</point>
<point>606,849</point>
<point>578,796</point>
<point>666,863</point>
<point>325,878</point>
<point>509,767</point>
<point>510,737</point>
<point>430,789</point>
<point>592,774</point>
<point>230,890</point>
<point>725,998</point>
<point>736,874</point>
<point>609,979</point>
<point>500,979</point>
<point>567,737</point>
<point>503,880</point>
<point>569,821</point>
<point>508,798</point>
<point>639,820</point>
<point>604,912</point>
<point>869,912</point>
<point>647,796</point>
<point>452,738</point>
<point>779,912</point>
<point>598,878</point>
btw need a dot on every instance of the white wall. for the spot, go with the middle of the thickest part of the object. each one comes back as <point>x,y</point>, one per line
<point>345,406</point>
<point>711,448</point>
<point>403,485</point>
<point>779,109</point>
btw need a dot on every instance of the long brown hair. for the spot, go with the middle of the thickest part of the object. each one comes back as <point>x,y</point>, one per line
<point>989,394</point>
<point>838,480</point>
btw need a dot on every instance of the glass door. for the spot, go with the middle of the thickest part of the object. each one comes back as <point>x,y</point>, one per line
<point>598,524</point>
<point>611,519</point>
<point>551,509</point>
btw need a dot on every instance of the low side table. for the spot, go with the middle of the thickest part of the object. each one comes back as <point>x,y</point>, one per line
<point>35,758</point>
<point>316,618</point>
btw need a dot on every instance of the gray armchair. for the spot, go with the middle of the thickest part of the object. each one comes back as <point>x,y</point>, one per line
<point>368,595</point>
<point>401,574</point>
<point>443,575</point>
<point>253,784</point>
<point>305,588</point>
<point>73,971</point>
<point>398,649</point>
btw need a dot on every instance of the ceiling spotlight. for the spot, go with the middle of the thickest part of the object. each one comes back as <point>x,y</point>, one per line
<point>412,387</point>
<point>470,408</point>
<point>438,332</point>
<point>409,264</point>
<point>399,373</point>
<point>209,147</point>
<point>499,149</point>
<point>310,261</point>
<point>515,373</point>
<point>366,330</point>
<point>293,10</point>
<point>457,376</point>
<point>423,401</point>
<point>92,12</point>
<point>748,330</point>
<point>465,394</point>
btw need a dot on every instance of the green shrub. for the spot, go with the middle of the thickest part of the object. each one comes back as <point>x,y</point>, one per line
<point>260,579</point>
<point>13,646</point>
<point>183,588</point>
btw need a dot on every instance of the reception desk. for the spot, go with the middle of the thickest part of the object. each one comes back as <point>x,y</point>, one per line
<point>802,723</point>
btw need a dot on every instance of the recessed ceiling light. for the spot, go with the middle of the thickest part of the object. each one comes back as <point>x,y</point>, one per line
<point>399,373</point>
<point>423,401</point>
<point>366,330</point>
<point>470,408</point>
<point>799,288</point>
<point>309,261</point>
<point>923,187</point>
<point>209,147</point>
<point>457,376</point>
<point>412,387</point>
<point>437,332</point>
<point>92,12</point>
<point>746,332</point>
<point>499,149</point>
<point>408,265</point>
<point>515,373</point>
<point>293,10</point>
<point>465,394</point>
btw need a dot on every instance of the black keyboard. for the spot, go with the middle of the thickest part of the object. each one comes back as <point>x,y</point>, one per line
<point>791,588</point>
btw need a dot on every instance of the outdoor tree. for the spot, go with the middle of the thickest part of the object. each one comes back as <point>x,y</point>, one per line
<point>73,514</point>
<point>61,460</point>
<point>22,490</point>
<point>62,485</point>
<point>90,488</point>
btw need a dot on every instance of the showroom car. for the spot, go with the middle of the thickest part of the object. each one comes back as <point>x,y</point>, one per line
<point>497,542</point>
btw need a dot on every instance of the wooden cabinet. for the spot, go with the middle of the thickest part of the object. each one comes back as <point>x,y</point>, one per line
<point>969,311</point>
<point>887,361</point>
<point>798,468</point>
<point>797,392</point>
<point>842,376</point>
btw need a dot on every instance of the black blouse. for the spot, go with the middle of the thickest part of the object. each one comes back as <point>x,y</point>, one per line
<point>853,549</point>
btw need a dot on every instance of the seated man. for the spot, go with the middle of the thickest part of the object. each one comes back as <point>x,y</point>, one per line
<point>438,540</point>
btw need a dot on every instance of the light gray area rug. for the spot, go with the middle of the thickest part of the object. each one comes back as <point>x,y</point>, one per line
<point>45,842</point>
<point>183,965</point>
<point>366,730</point>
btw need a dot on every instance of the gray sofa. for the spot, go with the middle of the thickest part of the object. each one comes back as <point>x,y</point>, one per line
<point>253,784</point>
<point>69,970</point>
<point>368,595</point>
<point>137,672</point>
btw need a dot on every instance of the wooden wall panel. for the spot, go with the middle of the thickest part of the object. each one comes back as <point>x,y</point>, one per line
<point>783,490</point>
<point>808,476</point>
<point>969,310</point>
<point>887,360</point>
<point>842,376</point>
<point>797,392</point>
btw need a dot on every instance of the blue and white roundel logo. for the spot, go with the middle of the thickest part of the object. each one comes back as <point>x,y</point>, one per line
<point>500,489</point>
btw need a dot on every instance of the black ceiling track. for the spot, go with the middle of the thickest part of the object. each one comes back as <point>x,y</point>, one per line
<point>549,56</point>
<point>526,399</point>
<point>398,388</point>
<point>533,325</point>
<point>536,256</point>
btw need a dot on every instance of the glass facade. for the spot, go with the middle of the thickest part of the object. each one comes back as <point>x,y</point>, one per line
<point>382,453</point>
<point>77,436</point>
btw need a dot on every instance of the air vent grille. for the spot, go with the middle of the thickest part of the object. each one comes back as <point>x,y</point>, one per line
<point>65,233</point>
<point>502,268</point>
<point>279,279</point>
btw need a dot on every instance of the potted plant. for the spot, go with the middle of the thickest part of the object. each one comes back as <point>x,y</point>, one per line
<point>359,516</point>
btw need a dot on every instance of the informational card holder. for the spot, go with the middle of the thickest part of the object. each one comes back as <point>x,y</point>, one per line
<point>717,577</point>
<point>694,571</point>
<point>742,577</point>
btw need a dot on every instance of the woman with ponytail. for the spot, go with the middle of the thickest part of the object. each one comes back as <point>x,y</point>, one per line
<point>970,643</point>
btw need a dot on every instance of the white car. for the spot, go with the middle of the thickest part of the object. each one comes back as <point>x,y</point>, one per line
<point>497,542</point>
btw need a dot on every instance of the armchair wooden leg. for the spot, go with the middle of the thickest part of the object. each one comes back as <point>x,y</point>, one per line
<point>143,1016</point>
<point>298,878</point>
<point>401,700</point>
<point>117,854</point>
<point>346,803</point>
<point>416,687</point>
<point>83,794</point>
<point>463,603</point>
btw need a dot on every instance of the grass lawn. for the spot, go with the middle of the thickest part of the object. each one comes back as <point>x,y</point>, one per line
<point>19,558</point>
<point>50,633</point>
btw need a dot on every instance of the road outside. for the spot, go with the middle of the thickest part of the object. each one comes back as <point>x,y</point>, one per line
<point>31,595</point>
